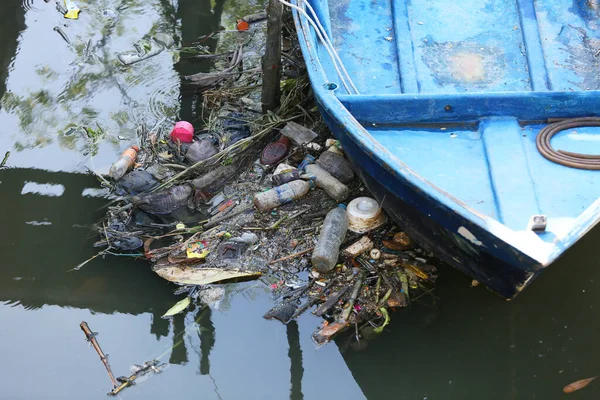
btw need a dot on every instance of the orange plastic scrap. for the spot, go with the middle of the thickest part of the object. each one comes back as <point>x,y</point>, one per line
<point>242,25</point>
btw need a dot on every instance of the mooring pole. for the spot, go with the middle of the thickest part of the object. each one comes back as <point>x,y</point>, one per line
<point>271,60</point>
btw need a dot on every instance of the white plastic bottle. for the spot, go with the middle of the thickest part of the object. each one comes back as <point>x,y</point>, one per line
<point>282,194</point>
<point>333,233</point>
<point>324,180</point>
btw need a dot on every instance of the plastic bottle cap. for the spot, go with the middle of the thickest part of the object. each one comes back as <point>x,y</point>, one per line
<point>342,206</point>
<point>311,184</point>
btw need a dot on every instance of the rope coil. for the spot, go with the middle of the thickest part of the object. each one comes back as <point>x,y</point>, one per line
<point>567,158</point>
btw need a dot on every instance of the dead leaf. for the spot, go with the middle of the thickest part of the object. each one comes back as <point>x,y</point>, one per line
<point>580,384</point>
<point>200,276</point>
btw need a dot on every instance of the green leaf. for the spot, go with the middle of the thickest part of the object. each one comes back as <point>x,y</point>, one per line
<point>178,307</point>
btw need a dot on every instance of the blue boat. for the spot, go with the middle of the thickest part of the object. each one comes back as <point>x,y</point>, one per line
<point>439,103</point>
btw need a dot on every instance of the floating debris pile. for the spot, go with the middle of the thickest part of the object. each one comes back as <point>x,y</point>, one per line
<point>268,197</point>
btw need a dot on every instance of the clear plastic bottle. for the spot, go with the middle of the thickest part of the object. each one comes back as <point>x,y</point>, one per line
<point>333,233</point>
<point>282,194</point>
<point>125,161</point>
<point>324,180</point>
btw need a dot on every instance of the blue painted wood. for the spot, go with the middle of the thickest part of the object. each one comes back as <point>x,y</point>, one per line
<point>535,53</point>
<point>404,47</point>
<point>528,106</point>
<point>447,135</point>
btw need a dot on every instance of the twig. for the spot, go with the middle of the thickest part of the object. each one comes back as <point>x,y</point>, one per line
<point>5,159</point>
<point>130,380</point>
<point>176,166</point>
<point>350,304</point>
<point>217,221</point>
<point>101,178</point>
<point>79,266</point>
<point>300,253</point>
<point>91,337</point>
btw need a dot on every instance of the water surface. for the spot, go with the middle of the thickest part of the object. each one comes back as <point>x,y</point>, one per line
<point>470,345</point>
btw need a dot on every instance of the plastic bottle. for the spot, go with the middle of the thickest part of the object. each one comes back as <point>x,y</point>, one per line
<point>201,150</point>
<point>336,165</point>
<point>324,180</point>
<point>125,161</point>
<point>307,160</point>
<point>276,151</point>
<point>333,233</point>
<point>285,177</point>
<point>283,194</point>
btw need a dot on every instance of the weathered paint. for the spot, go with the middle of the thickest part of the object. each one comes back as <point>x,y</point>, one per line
<point>461,98</point>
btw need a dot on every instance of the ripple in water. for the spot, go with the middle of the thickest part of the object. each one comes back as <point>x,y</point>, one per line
<point>156,91</point>
<point>28,5</point>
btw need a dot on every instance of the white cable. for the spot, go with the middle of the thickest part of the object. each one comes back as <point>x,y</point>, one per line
<point>320,36</point>
<point>307,4</point>
<point>309,19</point>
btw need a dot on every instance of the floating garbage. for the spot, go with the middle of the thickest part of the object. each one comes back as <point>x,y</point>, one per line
<point>72,10</point>
<point>281,195</point>
<point>336,165</point>
<point>298,134</point>
<point>258,198</point>
<point>200,150</point>
<point>274,152</point>
<point>324,180</point>
<point>333,233</point>
<point>124,163</point>
<point>364,215</point>
<point>183,131</point>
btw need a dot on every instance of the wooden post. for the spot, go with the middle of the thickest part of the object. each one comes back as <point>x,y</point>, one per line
<point>271,60</point>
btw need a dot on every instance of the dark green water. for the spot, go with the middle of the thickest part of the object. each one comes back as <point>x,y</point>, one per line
<point>472,345</point>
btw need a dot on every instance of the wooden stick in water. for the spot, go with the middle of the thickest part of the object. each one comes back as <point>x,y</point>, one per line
<point>90,336</point>
<point>301,253</point>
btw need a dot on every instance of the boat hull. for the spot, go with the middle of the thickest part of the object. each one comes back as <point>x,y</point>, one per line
<point>438,229</point>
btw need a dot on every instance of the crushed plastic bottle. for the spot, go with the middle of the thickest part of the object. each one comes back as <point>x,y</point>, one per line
<point>333,233</point>
<point>124,163</point>
<point>286,176</point>
<point>281,195</point>
<point>336,165</point>
<point>201,150</point>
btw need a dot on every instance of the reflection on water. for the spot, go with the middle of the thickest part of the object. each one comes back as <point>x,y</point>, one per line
<point>67,106</point>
